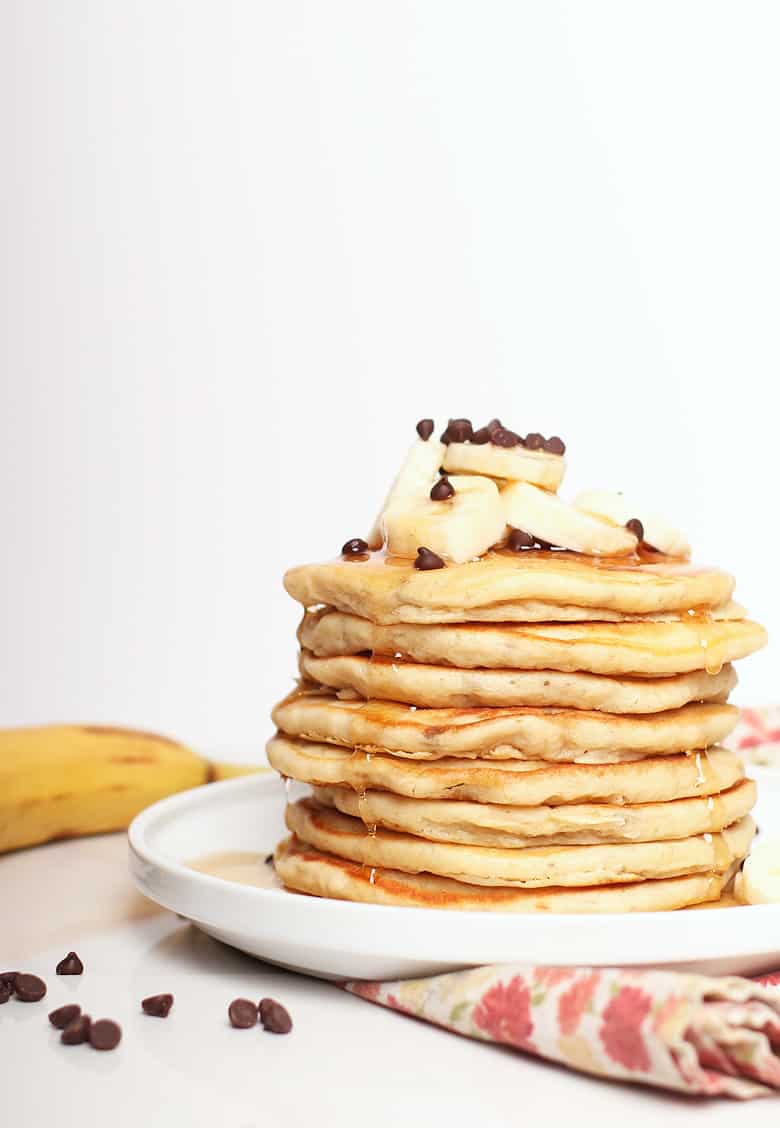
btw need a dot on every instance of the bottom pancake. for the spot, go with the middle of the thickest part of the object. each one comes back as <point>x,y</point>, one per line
<point>305,869</point>
<point>532,867</point>
<point>572,824</point>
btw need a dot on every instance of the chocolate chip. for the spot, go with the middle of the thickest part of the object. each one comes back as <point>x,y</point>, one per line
<point>77,1031</point>
<point>480,437</point>
<point>8,978</point>
<point>29,988</point>
<point>636,527</point>
<point>504,438</point>
<point>70,965</point>
<point>425,429</point>
<point>269,861</point>
<point>5,993</point>
<point>427,561</point>
<point>534,441</point>
<point>555,445</point>
<point>158,1006</point>
<point>494,425</point>
<point>354,547</point>
<point>518,540</point>
<point>543,544</point>
<point>242,1014</point>
<point>274,1017</point>
<point>105,1034</point>
<point>459,430</point>
<point>63,1016</point>
<point>442,490</point>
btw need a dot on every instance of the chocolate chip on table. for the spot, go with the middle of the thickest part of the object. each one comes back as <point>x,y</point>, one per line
<point>158,1006</point>
<point>425,429</point>
<point>503,437</point>
<point>443,490</point>
<point>274,1017</point>
<point>29,988</point>
<point>105,1034</point>
<point>555,445</point>
<point>518,540</point>
<point>8,978</point>
<point>534,441</point>
<point>242,1014</point>
<point>70,965</point>
<point>63,1016</point>
<point>636,527</point>
<point>76,1031</point>
<point>354,547</point>
<point>480,437</point>
<point>5,993</point>
<point>427,561</point>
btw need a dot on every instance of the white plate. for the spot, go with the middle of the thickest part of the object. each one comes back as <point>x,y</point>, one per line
<point>340,939</point>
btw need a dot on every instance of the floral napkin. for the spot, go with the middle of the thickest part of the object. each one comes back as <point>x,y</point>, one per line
<point>705,1036</point>
<point>699,1035</point>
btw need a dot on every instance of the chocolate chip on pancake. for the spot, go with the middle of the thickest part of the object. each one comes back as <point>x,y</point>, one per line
<point>425,429</point>
<point>443,490</point>
<point>534,441</point>
<point>427,561</point>
<point>355,547</point>
<point>555,445</point>
<point>518,540</point>
<point>458,431</point>
<point>636,527</point>
<point>480,437</point>
<point>503,437</point>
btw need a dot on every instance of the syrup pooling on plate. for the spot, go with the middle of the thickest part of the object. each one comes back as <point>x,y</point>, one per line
<point>615,658</point>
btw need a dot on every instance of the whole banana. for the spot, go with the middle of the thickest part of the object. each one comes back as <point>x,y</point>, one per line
<point>65,781</point>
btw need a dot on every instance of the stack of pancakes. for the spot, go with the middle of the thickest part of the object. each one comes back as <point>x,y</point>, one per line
<point>524,732</point>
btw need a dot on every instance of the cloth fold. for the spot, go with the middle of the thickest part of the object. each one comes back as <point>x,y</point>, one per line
<point>691,1033</point>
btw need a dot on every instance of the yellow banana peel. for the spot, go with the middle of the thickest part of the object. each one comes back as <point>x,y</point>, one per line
<point>65,781</point>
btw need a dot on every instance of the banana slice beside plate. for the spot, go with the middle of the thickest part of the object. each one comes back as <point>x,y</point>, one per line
<point>547,518</point>
<point>759,881</point>
<point>514,464</point>
<point>458,529</point>
<point>617,508</point>
<point>419,471</point>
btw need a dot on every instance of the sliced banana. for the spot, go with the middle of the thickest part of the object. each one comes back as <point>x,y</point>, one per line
<point>419,471</point>
<point>759,882</point>
<point>615,507</point>
<point>547,518</point>
<point>458,529</point>
<point>514,464</point>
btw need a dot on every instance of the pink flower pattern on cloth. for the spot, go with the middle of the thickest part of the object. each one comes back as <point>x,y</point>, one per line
<point>692,1033</point>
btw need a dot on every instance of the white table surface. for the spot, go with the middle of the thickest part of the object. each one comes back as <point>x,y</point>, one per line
<point>346,1062</point>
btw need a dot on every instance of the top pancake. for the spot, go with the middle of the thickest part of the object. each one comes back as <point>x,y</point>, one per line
<point>510,587</point>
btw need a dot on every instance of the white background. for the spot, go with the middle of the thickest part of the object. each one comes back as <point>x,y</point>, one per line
<point>245,246</point>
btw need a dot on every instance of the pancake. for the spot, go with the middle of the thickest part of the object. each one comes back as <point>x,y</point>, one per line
<point>448,686</point>
<point>647,649</point>
<point>503,584</point>
<point>547,734</point>
<point>303,868</point>
<point>491,824</point>
<point>604,864</point>
<point>522,782</point>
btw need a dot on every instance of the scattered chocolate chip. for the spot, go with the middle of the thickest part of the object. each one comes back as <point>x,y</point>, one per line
<point>77,1031</point>
<point>504,438</point>
<point>242,1014</point>
<point>425,429</point>
<point>459,430</point>
<point>636,527</point>
<point>274,1017</point>
<point>534,441</point>
<point>8,978</point>
<point>427,561</point>
<point>5,993</point>
<point>269,861</point>
<point>555,445</point>
<point>518,540</point>
<point>354,547</point>
<point>29,988</point>
<point>70,965</point>
<point>442,490</point>
<point>63,1016</point>
<point>158,1006</point>
<point>480,437</point>
<point>105,1034</point>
